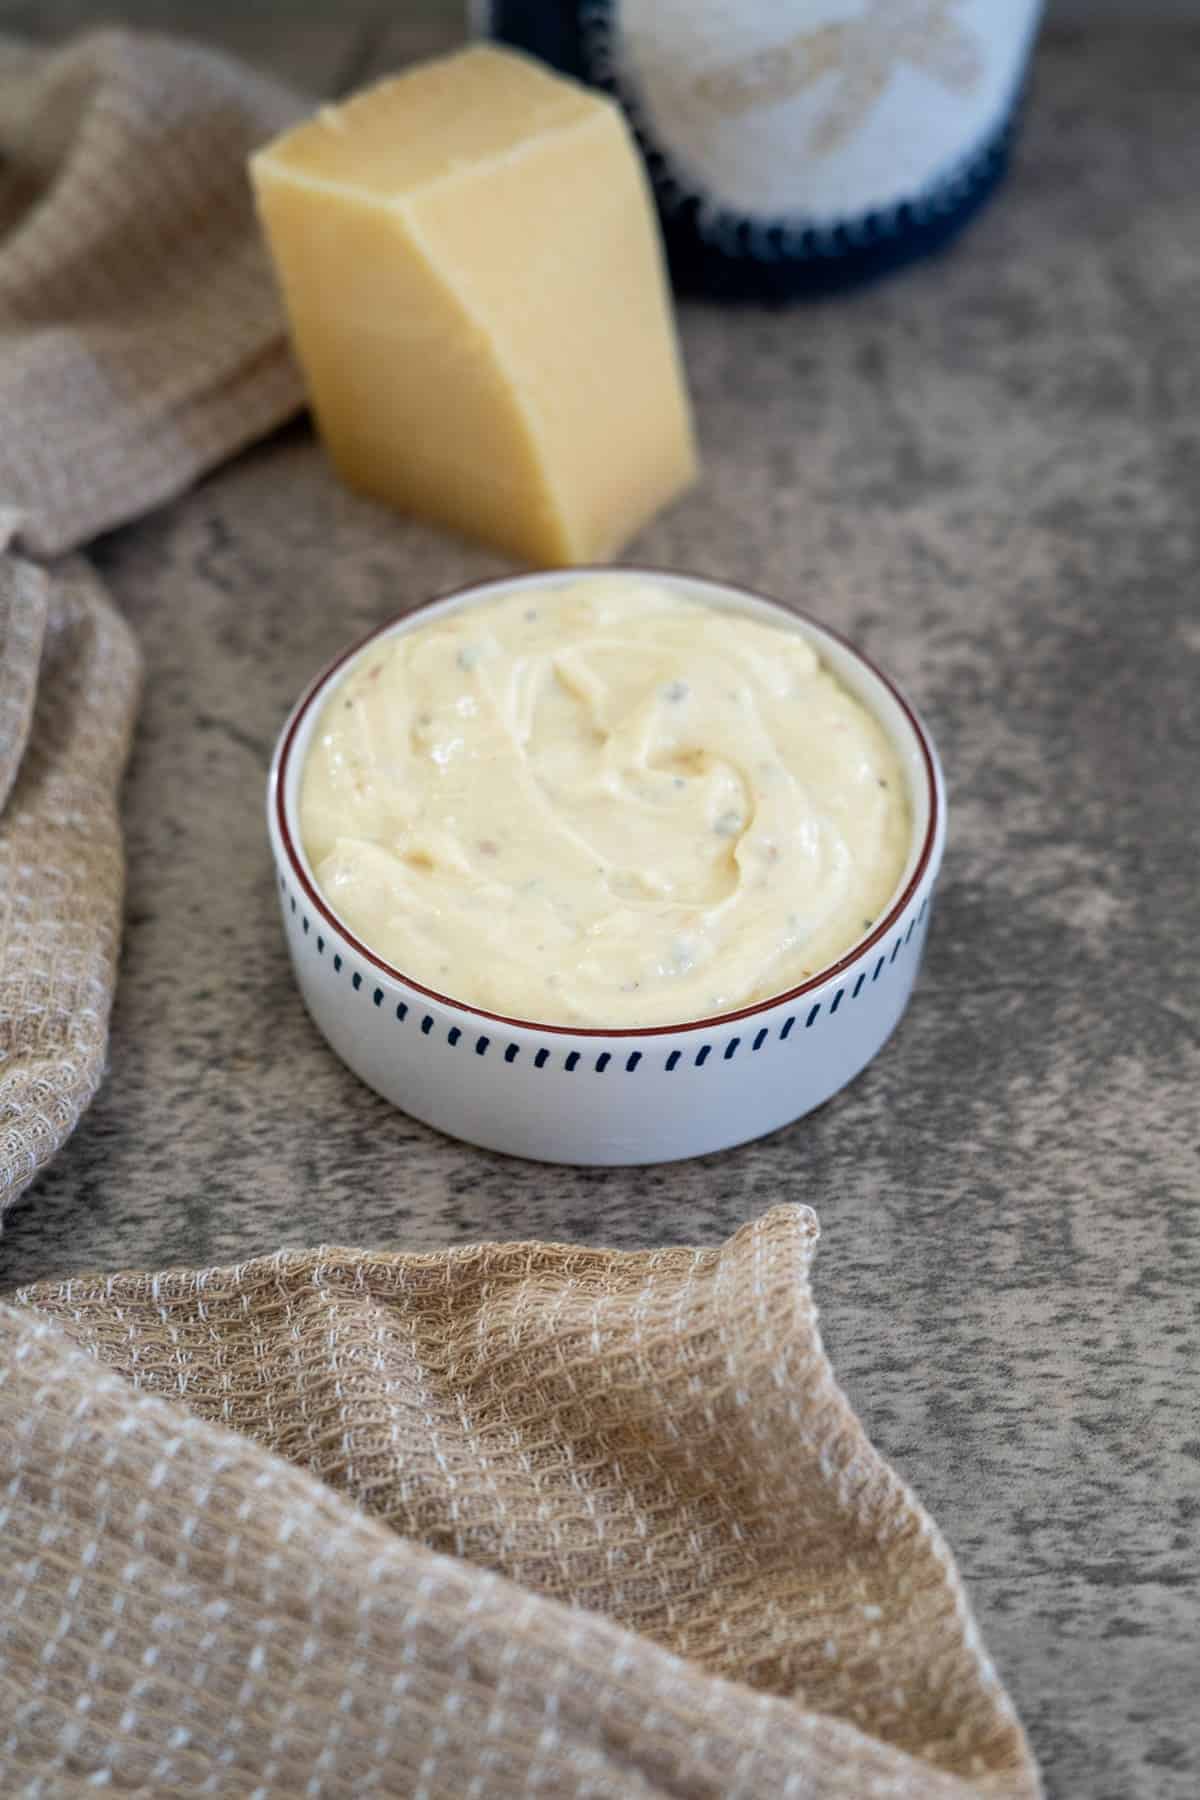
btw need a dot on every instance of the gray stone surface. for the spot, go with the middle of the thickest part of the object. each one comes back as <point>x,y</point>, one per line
<point>988,472</point>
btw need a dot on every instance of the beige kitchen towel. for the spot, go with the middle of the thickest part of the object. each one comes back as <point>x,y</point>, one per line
<point>140,344</point>
<point>510,1520</point>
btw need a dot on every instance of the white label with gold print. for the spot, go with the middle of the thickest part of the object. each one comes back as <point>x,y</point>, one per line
<point>811,111</point>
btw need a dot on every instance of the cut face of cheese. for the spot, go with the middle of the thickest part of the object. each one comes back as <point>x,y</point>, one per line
<point>474,281</point>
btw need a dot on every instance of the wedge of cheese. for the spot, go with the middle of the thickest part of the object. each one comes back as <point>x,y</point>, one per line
<point>474,280</point>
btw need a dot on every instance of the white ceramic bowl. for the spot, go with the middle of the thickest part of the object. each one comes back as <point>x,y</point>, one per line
<point>565,1094</point>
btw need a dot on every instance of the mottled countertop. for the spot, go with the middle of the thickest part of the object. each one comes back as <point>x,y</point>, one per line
<point>988,473</point>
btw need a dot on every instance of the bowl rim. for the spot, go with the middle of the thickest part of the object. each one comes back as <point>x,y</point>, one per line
<point>470,594</point>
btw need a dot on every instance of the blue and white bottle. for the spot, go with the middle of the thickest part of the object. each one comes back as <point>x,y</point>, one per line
<point>797,145</point>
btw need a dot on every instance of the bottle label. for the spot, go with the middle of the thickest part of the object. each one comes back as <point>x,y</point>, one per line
<point>805,113</point>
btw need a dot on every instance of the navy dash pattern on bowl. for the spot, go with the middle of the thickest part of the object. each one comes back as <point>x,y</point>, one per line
<point>570,1058</point>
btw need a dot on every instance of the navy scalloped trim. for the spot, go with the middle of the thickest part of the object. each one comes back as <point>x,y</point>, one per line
<point>776,262</point>
<point>571,1060</point>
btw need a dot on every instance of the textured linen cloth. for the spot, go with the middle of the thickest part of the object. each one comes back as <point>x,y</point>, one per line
<point>140,344</point>
<point>501,1521</point>
<point>511,1520</point>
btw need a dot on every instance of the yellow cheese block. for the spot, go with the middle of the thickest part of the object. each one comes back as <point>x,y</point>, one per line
<point>474,279</point>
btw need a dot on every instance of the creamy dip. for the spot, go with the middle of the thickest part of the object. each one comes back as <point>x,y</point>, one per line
<point>602,804</point>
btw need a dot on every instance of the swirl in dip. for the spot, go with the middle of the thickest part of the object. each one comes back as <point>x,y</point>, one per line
<point>602,804</point>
